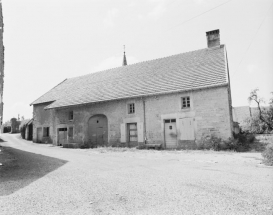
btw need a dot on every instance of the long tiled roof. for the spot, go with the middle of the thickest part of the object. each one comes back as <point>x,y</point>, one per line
<point>188,71</point>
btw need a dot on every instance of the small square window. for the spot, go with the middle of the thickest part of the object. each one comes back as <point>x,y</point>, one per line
<point>46,132</point>
<point>186,103</point>
<point>70,115</point>
<point>131,108</point>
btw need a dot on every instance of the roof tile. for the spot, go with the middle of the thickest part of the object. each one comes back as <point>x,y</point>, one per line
<point>187,71</point>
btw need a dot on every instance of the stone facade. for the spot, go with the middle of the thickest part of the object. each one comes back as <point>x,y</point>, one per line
<point>1,64</point>
<point>210,112</point>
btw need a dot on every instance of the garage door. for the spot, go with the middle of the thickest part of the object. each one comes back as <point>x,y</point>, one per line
<point>98,130</point>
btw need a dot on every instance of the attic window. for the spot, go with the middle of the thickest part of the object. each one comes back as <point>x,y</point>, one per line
<point>70,115</point>
<point>131,108</point>
<point>186,102</point>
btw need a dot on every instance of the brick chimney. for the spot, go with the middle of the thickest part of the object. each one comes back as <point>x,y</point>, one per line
<point>213,38</point>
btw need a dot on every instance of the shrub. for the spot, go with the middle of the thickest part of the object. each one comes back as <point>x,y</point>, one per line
<point>268,154</point>
<point>241,142</point>
<point>84,146</point>
<point>22,131</point>
<point>210,142</point>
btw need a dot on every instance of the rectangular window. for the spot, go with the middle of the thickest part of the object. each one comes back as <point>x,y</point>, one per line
<point>186,102</point>
<point>46,132</point>
<point>170,120</point>
<point>131,108</point>
<point>70,132</point>
<point>70,116</point>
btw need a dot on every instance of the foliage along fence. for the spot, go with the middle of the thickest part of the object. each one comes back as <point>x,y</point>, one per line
<point>264,138</point>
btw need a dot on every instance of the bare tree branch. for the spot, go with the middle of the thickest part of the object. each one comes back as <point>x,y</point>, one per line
<point>254,97</point>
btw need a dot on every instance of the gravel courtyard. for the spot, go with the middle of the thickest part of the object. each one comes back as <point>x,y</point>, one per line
<point>53,180</point>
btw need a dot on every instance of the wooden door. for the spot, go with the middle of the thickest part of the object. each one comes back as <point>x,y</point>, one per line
<point>170,133</point>
<point>132,132</point>
<point>187,129</point>
<point>62,136</point>
<point>30,131</point>
<point>98,130</point>
<point>39,135</point>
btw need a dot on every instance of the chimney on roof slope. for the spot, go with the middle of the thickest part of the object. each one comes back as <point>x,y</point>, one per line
<point>213,38</point>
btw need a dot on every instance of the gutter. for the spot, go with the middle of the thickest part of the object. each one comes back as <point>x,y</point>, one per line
<point>138,96</point>
<point>144,121</point>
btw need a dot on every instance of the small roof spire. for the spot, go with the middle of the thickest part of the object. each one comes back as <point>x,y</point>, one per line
<point>124,62</point>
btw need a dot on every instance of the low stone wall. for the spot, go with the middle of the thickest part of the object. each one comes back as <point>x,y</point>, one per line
<point>264,138</point>
<point>71,145</point>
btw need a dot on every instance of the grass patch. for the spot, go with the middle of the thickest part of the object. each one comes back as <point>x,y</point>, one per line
<point>114,149</point>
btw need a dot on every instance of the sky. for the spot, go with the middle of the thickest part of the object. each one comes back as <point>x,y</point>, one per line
<point>47,41</point>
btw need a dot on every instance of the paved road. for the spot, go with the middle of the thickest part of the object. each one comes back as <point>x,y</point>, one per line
<point>98,181</point>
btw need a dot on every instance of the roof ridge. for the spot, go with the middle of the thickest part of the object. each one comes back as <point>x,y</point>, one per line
<point>152,60</point>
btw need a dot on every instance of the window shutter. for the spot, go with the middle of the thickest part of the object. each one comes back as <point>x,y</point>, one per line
<point>187,129</point>
<point>191,129</point>
<point>183,131</point>
<point>122,133</point>
<point>140,132</point>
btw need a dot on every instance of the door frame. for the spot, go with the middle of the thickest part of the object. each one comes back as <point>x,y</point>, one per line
<point>106,141</point>
<point>128,132</point>
<point>58,139</point>
<point>39,128</point>
<point>164,131</point>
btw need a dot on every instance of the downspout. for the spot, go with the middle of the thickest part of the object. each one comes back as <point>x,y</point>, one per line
<point>144,121</point>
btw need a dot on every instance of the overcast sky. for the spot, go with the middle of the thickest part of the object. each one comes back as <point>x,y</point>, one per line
<point>47,41</point>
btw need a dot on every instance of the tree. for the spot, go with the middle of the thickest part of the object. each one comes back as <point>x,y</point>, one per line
<point>264,120</point>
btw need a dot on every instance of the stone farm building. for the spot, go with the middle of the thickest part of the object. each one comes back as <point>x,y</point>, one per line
<point>174,101</point>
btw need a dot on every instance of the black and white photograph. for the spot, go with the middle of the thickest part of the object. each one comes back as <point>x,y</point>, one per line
<point>136,107</point>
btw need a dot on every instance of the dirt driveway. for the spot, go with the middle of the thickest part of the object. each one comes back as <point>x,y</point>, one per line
<point>99,181</point>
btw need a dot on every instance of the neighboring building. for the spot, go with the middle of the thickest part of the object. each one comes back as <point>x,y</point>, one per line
<point>6,127</point>
<point>15,124</point>
<point>1,64</point>
<point>240,114</point>
<point>29,130</point>
<point>174,101</point>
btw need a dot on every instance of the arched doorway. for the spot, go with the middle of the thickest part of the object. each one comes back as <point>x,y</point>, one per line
<point>98,130</point>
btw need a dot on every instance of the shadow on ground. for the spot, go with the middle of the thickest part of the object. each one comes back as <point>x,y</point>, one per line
<point>21,168</point>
